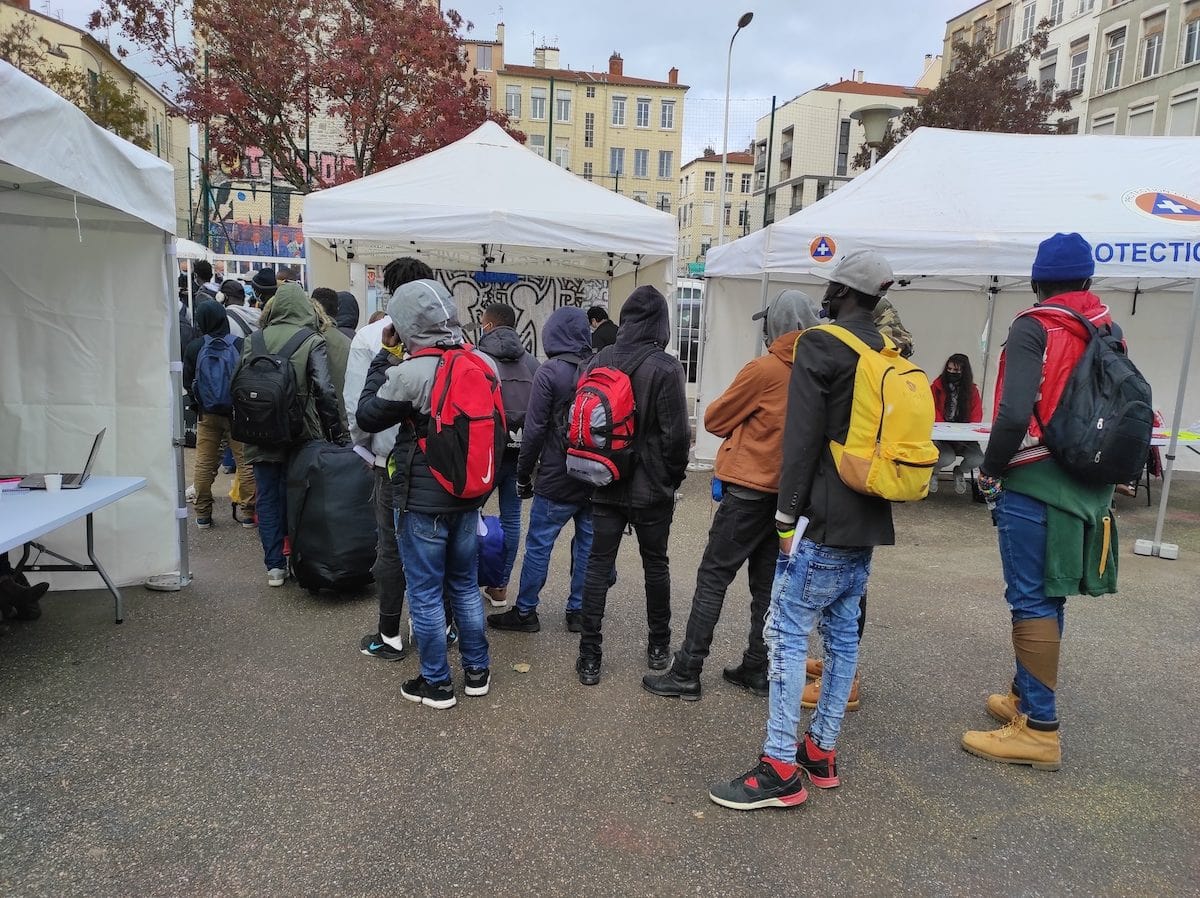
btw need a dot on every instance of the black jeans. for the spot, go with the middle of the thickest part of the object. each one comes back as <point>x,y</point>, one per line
<point>653,528</point>
<point>743,530</point>
<point>388,569</point>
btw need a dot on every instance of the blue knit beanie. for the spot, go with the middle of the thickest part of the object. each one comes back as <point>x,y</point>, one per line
<point>1062,258</point>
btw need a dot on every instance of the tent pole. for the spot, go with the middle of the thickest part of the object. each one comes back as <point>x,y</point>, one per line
<point>1157,546</point>
<point>987,341</point>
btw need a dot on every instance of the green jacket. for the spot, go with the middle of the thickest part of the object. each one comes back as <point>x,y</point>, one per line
<point>1081,530</point>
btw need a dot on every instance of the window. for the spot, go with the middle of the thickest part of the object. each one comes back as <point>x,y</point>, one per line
<point>727,210</point>
<point>483,59</point>
<point>641,163</point>
<point>1079,53</point>
<point>705,245</point>
<point>618,110</point>
<point>1152,44</point>
<point>977,31</point>
<point>616,160</point>
<point>537,103</point>
<point>1113,59</point>
<point>743,217</point>
<point>487,96</point>
<point>589,129</point>
<point>643,112</point>
<point>843,150</point>
<point>1003,28</point>
<point>666,118</point>
<point>1028,20</point>
<point>666,164</point>
<point>664,202</point>
<point>512,101</point>
<point>591,91</point>
<point>1181,118</point>
<point>1141,121</point>
<point>729,182</point>
<point>1056,11</point>
<point>1105,124</point>
<point>640,196</point>
<point>1046,70</point>
<point>537,143</point>
<point>707,217</point>
<point>1191,33</point>
<point>562,156</point>
<point>1086,6</point>
<point>746,183</point>
<point>959,37</point>
<point>710,181</point>
<point>562,105</point>
<point>587,170</point>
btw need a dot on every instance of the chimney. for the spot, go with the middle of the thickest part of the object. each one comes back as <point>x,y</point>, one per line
<point>616,65</point>
<point>550,55</point>
<point>673,76</point>
<point>539,57</point>
<point>860,75</point>
<point>500,33</point>
<point>20,4</point>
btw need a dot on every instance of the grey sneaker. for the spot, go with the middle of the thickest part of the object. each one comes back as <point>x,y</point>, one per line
<point>276,576</point>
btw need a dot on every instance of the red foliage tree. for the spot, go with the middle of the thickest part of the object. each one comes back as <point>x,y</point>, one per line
<point>388,75</point>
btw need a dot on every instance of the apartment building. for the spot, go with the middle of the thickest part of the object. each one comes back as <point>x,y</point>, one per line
<point>699,194</point>
<point>621,131</point>
<point>166,133</point>
<point>1147,77</point>
<point>814,141</point>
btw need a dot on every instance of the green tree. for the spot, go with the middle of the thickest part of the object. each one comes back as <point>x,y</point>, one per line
<point>984,92</point>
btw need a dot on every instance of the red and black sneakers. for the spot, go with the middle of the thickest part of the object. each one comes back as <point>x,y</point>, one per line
<point>771,784</point>
<point>820,764</point>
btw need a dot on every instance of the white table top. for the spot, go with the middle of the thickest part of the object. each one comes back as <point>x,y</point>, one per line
<point>978,433</point>
<point>27,514</point>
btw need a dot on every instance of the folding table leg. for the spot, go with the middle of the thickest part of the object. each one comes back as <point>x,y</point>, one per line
<point>91,550</point>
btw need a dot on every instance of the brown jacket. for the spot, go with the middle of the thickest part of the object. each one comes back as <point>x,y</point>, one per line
<point>749,415</point>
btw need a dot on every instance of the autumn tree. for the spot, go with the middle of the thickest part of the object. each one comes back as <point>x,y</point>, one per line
<point>984,92</point>
<point>390,72</point>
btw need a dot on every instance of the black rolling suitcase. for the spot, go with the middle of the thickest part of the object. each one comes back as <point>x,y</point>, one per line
<point>331,518</point>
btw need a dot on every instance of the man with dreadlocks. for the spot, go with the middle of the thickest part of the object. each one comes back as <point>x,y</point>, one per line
<point>361,376</point>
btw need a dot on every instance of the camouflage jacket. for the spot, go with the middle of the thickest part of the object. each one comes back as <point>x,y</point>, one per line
<point>887,319</point>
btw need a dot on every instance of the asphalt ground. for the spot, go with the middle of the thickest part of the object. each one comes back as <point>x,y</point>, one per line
<point>229,739</point>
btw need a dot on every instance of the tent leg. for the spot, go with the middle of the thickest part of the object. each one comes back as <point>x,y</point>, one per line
<point>1145,547</point>
<point>987,337</point>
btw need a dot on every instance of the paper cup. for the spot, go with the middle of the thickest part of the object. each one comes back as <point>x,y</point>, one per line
<point>53,482</point>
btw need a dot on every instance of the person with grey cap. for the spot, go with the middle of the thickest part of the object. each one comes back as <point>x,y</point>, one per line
<point>827,533</point>
<point>749,416</point>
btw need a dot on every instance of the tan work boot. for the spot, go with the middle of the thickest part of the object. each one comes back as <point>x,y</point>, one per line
<point>1003,707</point>
<point>812,692</point>
<point>813,668</point>
<point>1016,743</point>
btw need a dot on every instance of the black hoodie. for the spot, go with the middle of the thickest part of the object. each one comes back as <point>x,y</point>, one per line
<point>211,321</point>
<point>347,313</point>
<point>662,436</point>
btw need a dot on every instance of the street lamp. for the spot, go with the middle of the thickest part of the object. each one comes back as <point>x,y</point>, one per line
<point>741,23</point>
<point>874,120</point>
<point>59,51</point>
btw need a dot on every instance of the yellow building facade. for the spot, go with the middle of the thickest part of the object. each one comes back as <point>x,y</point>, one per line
<point>699,195</point>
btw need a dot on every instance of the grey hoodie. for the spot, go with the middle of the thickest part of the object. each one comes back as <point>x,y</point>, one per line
<point>791,310</point>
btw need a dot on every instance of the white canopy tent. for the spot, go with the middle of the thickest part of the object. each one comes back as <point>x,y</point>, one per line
<point>486,202</point>
<point>960,216</point>
<point>87,320</point>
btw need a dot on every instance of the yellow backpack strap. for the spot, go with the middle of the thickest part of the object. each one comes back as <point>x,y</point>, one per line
<point>847,337</point>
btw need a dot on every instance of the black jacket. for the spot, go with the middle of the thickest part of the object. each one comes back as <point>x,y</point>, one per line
<point>504,345</point>
<point>211,321</point>
<point>662,435</point>
<point>820,395</point>
<point>604,335</point>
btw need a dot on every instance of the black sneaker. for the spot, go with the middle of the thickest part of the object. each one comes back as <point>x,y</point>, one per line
<point>478,682</point>
<point>673,684</point>
<point>373,644</point>
<point>574,621</point>
<point>819,764</point>
<point>451,636</point>
<point>588,669</point>
<point>658,657</point>
<point>436,695</point>
<point>514,620</point>
<point>761,787</point>
<point>748,678</point>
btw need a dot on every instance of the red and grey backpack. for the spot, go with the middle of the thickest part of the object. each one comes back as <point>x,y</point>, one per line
<point>467,433</point>
<point>601,421</point>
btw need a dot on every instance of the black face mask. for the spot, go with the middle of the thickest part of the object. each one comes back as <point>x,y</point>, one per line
<point>953,376</point>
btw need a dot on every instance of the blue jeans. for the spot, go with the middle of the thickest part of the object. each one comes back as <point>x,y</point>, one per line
<point>270,485</point>
<point>546,521</point>
<point>1021,525</point>
<point>440,558</point>
<point>510,513</point>
<point>814,582</point>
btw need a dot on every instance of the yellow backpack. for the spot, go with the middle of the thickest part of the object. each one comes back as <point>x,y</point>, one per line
<point>889,449</point>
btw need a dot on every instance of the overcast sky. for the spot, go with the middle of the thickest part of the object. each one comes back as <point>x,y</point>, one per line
<point>790,47</point>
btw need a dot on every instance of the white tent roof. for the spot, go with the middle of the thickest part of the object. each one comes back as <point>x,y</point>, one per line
<point>49,146</point>
<point>487,190</point>
<point>190,249</point>
<point>957,203</point>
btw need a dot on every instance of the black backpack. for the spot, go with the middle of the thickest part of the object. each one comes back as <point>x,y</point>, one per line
<point>516,386</point>
<point>1100,431</point>
<point>268,409</point>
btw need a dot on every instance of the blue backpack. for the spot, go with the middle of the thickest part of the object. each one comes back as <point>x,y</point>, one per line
<point>215,364</point>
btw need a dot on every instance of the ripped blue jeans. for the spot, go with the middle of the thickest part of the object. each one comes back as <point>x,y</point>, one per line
<point>814,584</point>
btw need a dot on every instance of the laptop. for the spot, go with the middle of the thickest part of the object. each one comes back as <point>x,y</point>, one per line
<point>70,481</point>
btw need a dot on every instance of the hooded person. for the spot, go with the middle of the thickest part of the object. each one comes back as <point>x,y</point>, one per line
<point>213,426</point>
<point>347,313</point>
<point>325,301</point>
<point>557,496</point>
<point>291,311</point>
<point>242,318</point>
<point>749,417</point>
<point>436,530</point>
<point>645,497</point>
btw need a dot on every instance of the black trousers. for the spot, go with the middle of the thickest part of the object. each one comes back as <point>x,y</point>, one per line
<point>653,528</point>
<point>742,532</point>
<point>388,569</point>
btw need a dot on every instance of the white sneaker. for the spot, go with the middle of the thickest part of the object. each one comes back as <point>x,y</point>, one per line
<point>933,483</point>
<point>276,576</point>
<point>960,481</point>
<point>190,493</point>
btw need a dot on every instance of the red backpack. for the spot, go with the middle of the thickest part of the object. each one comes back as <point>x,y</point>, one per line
<point>466,433</point>
<point>600,423</point>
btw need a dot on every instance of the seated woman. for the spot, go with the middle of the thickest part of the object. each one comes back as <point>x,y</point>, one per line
<point>956,398</point>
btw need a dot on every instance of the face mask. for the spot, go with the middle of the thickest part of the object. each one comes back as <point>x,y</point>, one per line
<point>397,350</point>
<point>954,376</point>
